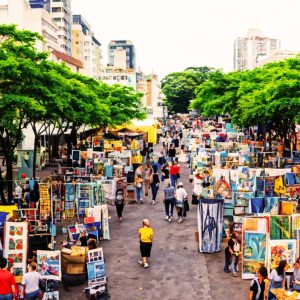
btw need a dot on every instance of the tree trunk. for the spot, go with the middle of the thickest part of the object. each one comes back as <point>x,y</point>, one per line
<point>3,199</point>
<point>9,175</point>
<point>36,144</point>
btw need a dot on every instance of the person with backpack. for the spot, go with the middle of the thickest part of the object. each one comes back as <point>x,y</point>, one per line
<point>120,202</point>
<point>258,288</point>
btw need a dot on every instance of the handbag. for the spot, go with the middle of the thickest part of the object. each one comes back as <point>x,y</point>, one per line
<point>178,175</point>
<point>195,200</point>
<point>186,205</point>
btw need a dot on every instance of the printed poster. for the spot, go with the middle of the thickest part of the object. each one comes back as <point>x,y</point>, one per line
<point>254,253</point>
<point>95,255</point>
<point>96,273</point>
<point>15,247</point>
<point>280,250</point>
<point>49,264</point>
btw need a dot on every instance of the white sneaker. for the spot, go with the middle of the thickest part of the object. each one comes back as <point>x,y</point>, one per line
<point>166,218</point>
<point>180,220</point>
<point>146,265</point>
<point>170,220</point>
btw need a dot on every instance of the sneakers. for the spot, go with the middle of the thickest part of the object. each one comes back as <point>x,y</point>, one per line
<point>146,265</point>
<point>170,220</point>
<point>235,274</point>
<point>140,263</point>
<point>166,218</point>
<point>180,220</point>
<point>153,202</point>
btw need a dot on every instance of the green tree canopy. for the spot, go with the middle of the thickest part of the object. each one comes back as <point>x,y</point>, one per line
<point>179,87</point>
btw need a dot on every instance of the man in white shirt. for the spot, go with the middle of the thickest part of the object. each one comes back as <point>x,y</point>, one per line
<point>181,196</point>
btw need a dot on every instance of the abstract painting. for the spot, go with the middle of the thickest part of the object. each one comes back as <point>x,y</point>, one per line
<point>280,227</point>
<point>49,264</point>
<point>210,224</point>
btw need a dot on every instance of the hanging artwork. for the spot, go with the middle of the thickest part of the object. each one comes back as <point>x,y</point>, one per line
<point>271,205</point>
<point>257,205</point>
<point>222,182</point>
<point>210,224</point>
<point>15,247</point>
<point>233,179</point>
<point>45,200</point>
<point>254,253</point>
<point>280,227</point>
<point>49,264</point>
<point>280,250</point>
<point>243,178</point>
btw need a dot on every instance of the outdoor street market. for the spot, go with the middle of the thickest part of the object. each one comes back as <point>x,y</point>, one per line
<point>65,219</point>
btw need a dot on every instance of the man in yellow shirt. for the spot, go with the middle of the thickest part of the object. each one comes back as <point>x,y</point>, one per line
<point>146,237</point>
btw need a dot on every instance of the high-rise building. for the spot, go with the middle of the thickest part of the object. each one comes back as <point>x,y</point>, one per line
<point>86,47</point>
<point>61,14</point>
<point>248,51</point>
<point>121,53</point>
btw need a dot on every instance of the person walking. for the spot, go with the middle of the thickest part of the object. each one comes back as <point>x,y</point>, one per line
<point>169,200</point>
<point>148,174</point>
<point>181,196</point>
<point>154,183</point>
<point>120,202</point>
<point>7,286</point>
<point>139,182</point>
<point>31,282</point>
<point>146,238</point>
<point>165,173</point>
<point>174,173</point>
<point>172,153</point>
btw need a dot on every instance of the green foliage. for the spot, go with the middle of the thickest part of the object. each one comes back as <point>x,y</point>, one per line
<point>267,94</point>
<point>179,87</point>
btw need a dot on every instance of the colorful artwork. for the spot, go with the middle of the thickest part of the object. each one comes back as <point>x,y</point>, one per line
<point>280,250</point>
<point>95,255</point>
<point>15,247</point>
<point>280,227</point>
<point>243,178</point>
<point>255,246</point>
<point>49,264</point>
<point>257,205</point>
<point>210,224</point>
<point>96,269</point>
<point>271,205</point>
<point>222,181</point>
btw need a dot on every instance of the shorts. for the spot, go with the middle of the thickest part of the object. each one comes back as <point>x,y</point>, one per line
<point>145,249</point>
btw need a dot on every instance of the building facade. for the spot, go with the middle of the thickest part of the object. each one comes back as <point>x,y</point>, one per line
<point>86,47</point>
<point>61,14</point>
<point>121,53</point>
<point>277,56</point>
<point>248,51</point>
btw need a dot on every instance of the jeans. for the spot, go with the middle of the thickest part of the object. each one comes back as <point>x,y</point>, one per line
<point>173,180</point>
<point>179,211</point>
<point>119,208</point>
<point>154,189</point>
<point>169,206</point>
<point>33,296</point>
<point>231,260</point>
<point>139,194</point>
<point>6,297</point>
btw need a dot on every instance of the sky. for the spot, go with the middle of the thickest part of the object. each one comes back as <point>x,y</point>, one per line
<point>171,35</point>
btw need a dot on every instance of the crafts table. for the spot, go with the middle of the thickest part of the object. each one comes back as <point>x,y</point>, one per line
<point>282,294</point>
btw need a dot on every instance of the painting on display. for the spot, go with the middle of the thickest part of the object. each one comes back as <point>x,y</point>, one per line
<point>271,205</point>
<point>243,178</point>
<point>49,264</point>
<point>210,224</point>
<point>15,247</point>
<point>254,253</point>
<point>280,250</point>
<point>222,182</point>
<point>280,227</point>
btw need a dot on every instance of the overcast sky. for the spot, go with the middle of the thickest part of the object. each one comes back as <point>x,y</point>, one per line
<point>171,35</point>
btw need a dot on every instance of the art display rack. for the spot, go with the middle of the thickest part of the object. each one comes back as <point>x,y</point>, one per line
<point>45,200</point>
<point>85,196</point>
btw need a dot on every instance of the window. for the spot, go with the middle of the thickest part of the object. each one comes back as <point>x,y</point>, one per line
<point>56,9</point>
<point>57,19</point>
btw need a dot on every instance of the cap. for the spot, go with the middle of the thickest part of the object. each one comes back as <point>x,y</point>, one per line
<point>180,184</point>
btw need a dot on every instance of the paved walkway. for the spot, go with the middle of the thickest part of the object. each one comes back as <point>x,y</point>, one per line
<point>177,270</point>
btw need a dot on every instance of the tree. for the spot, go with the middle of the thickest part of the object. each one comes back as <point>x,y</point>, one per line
<point>179,87</point>
<point>18,59</point>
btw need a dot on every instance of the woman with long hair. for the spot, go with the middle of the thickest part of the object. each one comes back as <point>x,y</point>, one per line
<point>277,278</point>
<point>258,288</point>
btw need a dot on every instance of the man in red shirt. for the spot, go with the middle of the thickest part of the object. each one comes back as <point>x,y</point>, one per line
<point>7,286</point>
<point>174,173</point>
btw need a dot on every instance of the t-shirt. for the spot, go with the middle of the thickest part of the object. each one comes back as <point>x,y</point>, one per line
<point>166,173</point>
<point>120,196</point>
<point>169,192</point>
<point>174,170</point>
<point>235,247</point>
<point>31,280</point>
<point>7,280</point>
<point>180,195</point>
<point>275,277</point>
<point>172,152</point>
<point>146,234</point>
<point>83,241</point>
<point>155,179</point>
<point>254,289</point>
